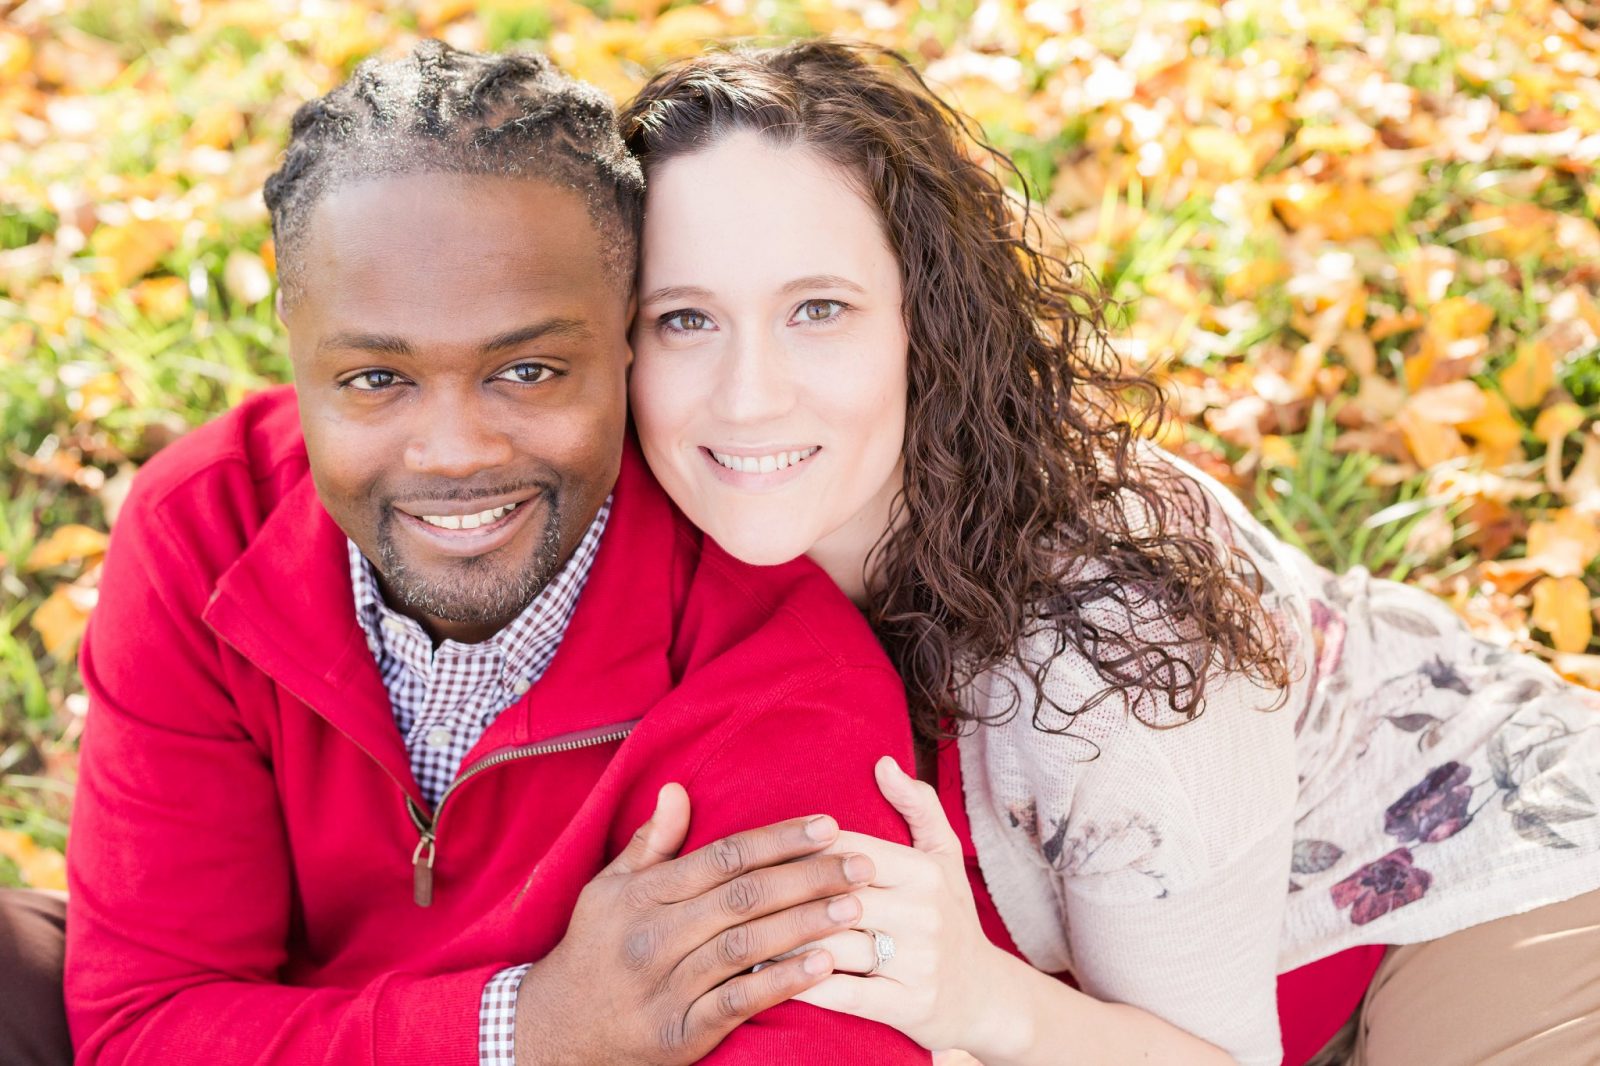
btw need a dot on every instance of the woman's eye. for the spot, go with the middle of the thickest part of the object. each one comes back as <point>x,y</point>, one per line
<point>372,380</point>
<point>820,310</point>
<point>684,321</point>
<point>527,373</point>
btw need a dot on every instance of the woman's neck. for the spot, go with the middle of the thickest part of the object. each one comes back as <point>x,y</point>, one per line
<point>843,553</point>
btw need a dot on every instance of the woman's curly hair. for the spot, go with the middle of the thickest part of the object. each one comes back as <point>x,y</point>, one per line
<point>1027,509</point>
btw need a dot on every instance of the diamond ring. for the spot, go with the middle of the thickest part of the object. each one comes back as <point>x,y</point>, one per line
<point>882,950</point>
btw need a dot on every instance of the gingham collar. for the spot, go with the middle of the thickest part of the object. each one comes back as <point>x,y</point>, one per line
<point>520,651</point>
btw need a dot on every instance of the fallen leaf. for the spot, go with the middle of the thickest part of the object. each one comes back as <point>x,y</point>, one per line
<point>40,867</point>
<point>1564,544</point>
<point>60,620</point>
<point>66,544</point>
<point>1561,609</point>
<point>1526,380</point>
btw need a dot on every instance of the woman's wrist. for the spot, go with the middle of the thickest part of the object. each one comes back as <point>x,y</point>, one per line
<point>1005,1027</point>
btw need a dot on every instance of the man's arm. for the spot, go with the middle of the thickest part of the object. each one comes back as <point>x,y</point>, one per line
<point>814,750</point>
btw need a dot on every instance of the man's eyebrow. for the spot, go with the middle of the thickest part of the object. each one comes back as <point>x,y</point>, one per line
<point>390,344</point>
<point>378,343</point>
<point>558,327</point>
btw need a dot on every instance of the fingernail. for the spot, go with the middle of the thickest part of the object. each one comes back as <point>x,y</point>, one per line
<point>844,909</point>
<point>817,962</point>
<point>822,829</point>
<point>859,869</point>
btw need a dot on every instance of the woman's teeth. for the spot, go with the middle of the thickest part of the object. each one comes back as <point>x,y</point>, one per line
<point>468,521</point>
<point>763,464</point>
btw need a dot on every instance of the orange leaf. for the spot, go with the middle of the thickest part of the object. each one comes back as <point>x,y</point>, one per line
<point>162,299</point>
<point>64,545</point>
<point>1529,376</point>
<point>1459,317</point>
<point>217,125</point>
<point>1495,431</point>
<point>130,250</point>
<point>1561,609</point>
<point>1565,544</point>
<point>61,618</point>
<point>1556,421</point>
<point>40,867</point>
<point>1430,442</point>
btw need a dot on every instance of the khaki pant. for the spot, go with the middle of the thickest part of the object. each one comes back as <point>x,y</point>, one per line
<point>1520,991</point>
<point>33,1022</point>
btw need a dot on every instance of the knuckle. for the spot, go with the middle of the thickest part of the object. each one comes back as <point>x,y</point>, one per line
<point>733,945</point>
<point>741,897</point>
<point>726,856</point>
<point>640,946</point>
<point>731,1001</point>
<point>635,894</point>
<point>673,1035</point>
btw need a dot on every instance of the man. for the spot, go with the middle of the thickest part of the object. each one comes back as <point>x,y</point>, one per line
<point>386,669</point>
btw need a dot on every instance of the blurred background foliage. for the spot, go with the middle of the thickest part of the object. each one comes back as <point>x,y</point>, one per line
<point>1357,239</point>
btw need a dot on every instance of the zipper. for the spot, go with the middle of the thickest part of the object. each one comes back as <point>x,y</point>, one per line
<point>427,849</point>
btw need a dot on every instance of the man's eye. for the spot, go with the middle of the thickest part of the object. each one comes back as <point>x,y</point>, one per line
<point>527,373</point>
<point>371,380</point>
<point>819,310</point>
<point>684,321</point>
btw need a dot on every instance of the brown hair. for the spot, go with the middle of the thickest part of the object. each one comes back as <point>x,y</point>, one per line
<point>1025,508</point>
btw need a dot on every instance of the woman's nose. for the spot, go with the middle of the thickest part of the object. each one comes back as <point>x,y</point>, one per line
<point>756,384</point>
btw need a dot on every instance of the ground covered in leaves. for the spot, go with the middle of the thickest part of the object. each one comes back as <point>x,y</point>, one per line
<point>1358,239</point>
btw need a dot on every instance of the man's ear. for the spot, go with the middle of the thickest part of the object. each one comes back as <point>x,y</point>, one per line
<point>277,305</point>
<point>633,311</point>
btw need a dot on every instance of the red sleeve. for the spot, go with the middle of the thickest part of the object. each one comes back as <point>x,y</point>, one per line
<point>812,754</point>
<point>180,877</point>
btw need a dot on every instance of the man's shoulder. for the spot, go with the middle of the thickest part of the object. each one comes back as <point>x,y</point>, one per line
<point>255,443</point>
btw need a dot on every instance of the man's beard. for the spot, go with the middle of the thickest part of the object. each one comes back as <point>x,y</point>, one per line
<point>477,591</point>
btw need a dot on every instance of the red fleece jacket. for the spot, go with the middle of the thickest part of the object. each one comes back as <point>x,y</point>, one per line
<point>241,858</point>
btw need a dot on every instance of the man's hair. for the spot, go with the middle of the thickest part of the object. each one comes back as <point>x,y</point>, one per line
<point>443,110</point>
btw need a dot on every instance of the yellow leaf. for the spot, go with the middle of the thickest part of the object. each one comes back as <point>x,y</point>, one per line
<point>1565,544</point>
<point>39,867</point>
<point>1529,376</point>
<point>61,618</point>
<point>1342,139</point>
<point>1459,317</point>
<point>432,14</point>
<point>162,299</point>
<point>64,545</point>
<point>245,277</point>
<point>217,125</point>
<point>1430,442</point>
<point>16,55</point>
<point>1556,421</point>
<point>129,251</point>
<point>1561,609</point>
<point>1452,404</point>
<point>1495,430</point>
<point>1277,451</point>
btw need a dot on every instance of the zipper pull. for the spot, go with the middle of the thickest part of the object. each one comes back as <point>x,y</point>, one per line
<point>422,872</point>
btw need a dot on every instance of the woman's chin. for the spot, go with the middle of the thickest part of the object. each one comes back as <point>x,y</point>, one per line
<point>757,550</point>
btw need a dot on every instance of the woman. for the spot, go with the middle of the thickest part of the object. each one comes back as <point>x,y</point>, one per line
<point>849,346</point>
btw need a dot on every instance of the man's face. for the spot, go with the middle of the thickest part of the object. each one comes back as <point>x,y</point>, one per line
<point>460,355</point>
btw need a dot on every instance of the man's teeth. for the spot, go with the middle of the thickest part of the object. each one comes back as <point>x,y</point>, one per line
<point>467,521</point>
<point>763,464</point>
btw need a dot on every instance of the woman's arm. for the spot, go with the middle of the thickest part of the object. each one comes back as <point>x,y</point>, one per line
<point>948,986</point>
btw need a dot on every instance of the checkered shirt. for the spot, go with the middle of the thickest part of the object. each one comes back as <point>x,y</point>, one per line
<point>445,697</point>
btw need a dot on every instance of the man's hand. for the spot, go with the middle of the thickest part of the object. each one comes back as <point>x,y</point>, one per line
<point>653,966</point>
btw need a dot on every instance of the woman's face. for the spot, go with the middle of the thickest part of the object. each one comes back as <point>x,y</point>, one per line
<point>769,381</point>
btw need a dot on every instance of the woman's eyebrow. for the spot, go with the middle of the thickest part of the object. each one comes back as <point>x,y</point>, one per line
<point>676,292</point>
<point>821,281</point>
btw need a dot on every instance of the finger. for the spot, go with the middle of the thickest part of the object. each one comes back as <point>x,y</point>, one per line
<point>872,998</point>
<point>733,856</point>
<point>774,889</point>
<point>897,865</point>
<point>659,838</point>
<point>715,1014</point>
<point>919,805</point>
<point>853,950</point>
<point>789,932</point>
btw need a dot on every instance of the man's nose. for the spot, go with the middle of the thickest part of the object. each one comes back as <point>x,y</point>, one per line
<point>755,383</point>
<point>457,440</point>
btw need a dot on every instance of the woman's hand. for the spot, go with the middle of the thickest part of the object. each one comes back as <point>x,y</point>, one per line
<point>946,980</point>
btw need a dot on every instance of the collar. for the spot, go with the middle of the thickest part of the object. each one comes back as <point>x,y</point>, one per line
<point>613,663</point>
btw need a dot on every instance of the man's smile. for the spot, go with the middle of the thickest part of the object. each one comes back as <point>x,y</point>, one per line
<point>450,529</point>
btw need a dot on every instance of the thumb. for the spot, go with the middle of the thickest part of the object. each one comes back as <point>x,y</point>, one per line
<point>918,804</point>
<point>658,839</point>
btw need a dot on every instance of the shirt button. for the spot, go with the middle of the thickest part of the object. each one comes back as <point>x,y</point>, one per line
<point>521,686</point>
<point>439,738</point>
